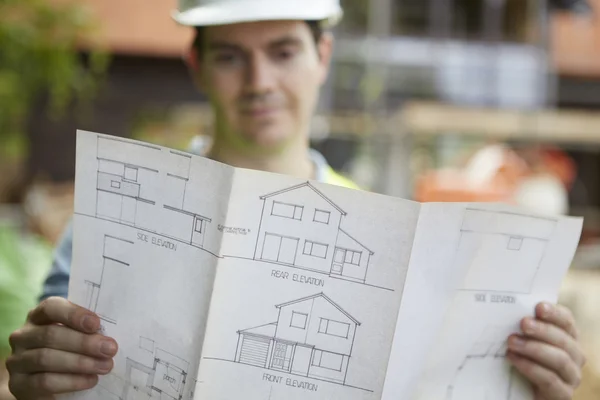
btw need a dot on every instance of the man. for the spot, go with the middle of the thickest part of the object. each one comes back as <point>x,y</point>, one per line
<point>261,64</point>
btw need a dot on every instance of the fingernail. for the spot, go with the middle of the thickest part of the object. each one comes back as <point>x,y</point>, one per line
<point>103,365</point>
<point>546,309</point>
<point>516,342</point>
<point>88,323</point>
<point>108,348</point>
<point>530,326</point>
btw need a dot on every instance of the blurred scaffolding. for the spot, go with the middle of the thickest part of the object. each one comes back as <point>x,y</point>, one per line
<point>427,69</point>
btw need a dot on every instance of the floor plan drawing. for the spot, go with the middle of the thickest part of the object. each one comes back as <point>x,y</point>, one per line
<point>164,379</point>
<point>116,255</point>
<point>484,373</point>
<point>184,223</point>
<point>494,242</point>
<point>124,189</point>
<point>307,234</point>
<point>312,337</point>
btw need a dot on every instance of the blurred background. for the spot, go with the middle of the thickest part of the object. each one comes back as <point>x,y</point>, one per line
<point>432,100</point>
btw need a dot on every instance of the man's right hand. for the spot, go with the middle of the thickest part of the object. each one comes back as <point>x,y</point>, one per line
<point>58,350</point>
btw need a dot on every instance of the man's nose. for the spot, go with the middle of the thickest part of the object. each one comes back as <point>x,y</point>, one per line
<point>260,75</point>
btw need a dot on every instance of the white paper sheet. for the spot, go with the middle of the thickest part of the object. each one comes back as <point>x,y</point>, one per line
<point>223,283</point>
<point>514,260</point>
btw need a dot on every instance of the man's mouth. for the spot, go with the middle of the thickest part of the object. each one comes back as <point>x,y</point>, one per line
<point>258,112</point>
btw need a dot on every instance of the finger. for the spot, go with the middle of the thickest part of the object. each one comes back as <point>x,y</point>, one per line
<point>20,389</point>
<point>48,384</point>
<point>60,337</point>
<point>551,357</point>
<point>550,386</point>
<point>58,310</point>
<point>552,334</point>
<point>558,315</point>
<point>50,360</point>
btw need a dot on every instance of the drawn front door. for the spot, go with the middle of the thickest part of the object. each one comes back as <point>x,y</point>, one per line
<point>282,357</point>
<point>338,261</point>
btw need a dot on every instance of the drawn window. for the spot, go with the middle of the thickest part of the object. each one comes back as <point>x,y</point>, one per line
<point>352,257</point>
<point>334,328</point>
<point>325,359</point>
<point>515,243</point>
<point>287,210</point>
<point>298,320</point>
<point>315,249</point>
<point>322,216</point>
<point>198,227</point>
<point>115,184</point>
<point>131,174</point>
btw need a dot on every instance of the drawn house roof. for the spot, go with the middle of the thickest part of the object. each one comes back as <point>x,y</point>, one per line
<point>362,245</point>
<point>190,213</point>
<point>326,298</point>
<point>307,184</point>
<point>267,330</point>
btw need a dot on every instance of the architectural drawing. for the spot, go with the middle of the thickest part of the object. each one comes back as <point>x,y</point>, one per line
<point>125,188</point>
<point>312,337</point>
<point>109,387</point>
<point>164,379</point>
<point>184,224</point>
<point>307,234</point>
<point>484,373</point>
<point>116,255</point>
<point>494,242</point>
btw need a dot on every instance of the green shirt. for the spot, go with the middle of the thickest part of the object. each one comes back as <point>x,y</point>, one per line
<point>24,263</point>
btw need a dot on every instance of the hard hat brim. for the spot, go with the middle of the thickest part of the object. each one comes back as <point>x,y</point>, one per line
<point>240,12</point>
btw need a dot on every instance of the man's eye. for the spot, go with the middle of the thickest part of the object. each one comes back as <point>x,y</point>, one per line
<point>284,54</point>
<point>227,58</point>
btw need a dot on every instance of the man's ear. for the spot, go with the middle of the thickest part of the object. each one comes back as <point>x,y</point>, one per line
<point>325,50</point>
<point>194,64</point>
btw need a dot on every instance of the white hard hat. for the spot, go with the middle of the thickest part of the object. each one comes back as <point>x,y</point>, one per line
<point>221,12</point>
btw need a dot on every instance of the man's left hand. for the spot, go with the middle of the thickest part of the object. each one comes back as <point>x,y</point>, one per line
<point>548,353</point>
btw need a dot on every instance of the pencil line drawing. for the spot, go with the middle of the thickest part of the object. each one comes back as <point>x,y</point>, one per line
<point>493,242</point>
<point>184,224</point>
<point>307,234</point>
<point>484,373</point>
<point>164,379</point>
<point>125,187</point>
<point>116,254</point>
<point>147,344</point>
<point>110,387</point>
<point>312,337</point>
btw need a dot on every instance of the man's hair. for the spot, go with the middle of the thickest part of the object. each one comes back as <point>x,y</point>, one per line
<point>315,27</point>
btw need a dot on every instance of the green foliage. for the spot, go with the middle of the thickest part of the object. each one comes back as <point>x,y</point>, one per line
<point>39,55</point>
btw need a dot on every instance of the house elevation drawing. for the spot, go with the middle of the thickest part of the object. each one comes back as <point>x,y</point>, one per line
<point>312,337</point>
<point>116,254</point>
<point>307,234</point>
<point>125,188</point>
<point>485,373</point>
<point>184,224</point>
<point>494,242</point>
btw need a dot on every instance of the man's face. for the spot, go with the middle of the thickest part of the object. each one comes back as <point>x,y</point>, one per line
<point>263,81</point>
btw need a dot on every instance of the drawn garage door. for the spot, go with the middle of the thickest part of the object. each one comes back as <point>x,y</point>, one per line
<point>254,351</point>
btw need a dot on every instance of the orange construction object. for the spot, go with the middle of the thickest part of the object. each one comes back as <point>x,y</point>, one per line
<point>491,175</point>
